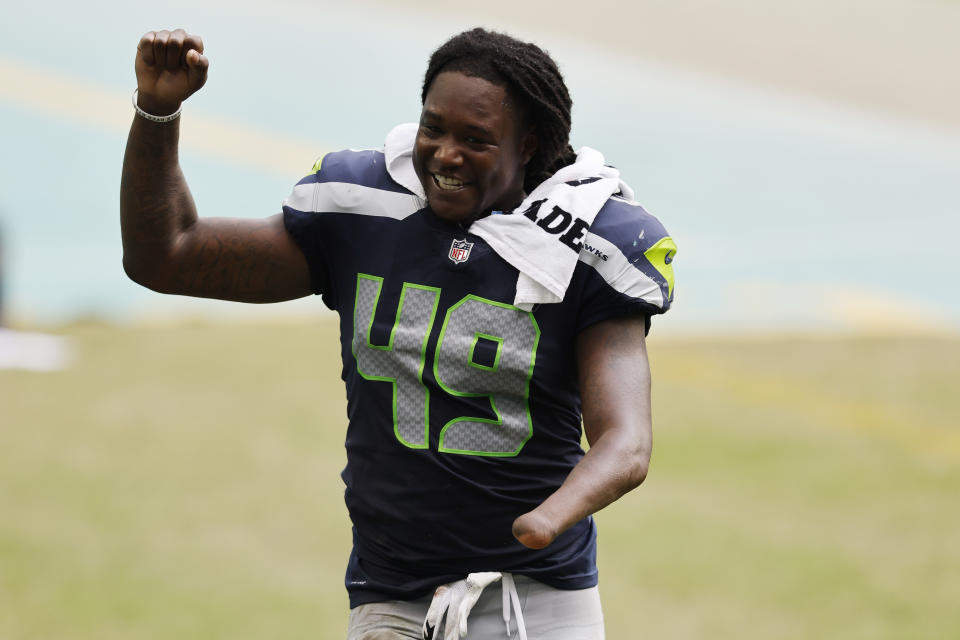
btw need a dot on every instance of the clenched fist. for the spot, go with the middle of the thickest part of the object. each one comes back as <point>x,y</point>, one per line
<point>170,67</point>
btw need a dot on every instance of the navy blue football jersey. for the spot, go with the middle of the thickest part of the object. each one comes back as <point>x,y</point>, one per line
<point>464,411</point>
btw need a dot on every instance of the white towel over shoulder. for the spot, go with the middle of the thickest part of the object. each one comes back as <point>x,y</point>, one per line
<point>545,249</point>
<point>540,238</point>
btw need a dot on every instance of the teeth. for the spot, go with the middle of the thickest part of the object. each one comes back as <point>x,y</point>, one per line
<point>447,183</point>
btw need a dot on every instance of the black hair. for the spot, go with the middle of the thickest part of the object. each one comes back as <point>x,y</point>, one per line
<point>532,80</point>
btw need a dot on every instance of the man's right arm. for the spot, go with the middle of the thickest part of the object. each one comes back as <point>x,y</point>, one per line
<point>166,246</point>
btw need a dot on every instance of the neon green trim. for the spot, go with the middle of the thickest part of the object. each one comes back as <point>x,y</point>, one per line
<point>317,166</point>
<point>660,256</point>
<point>493,406</point>
<point>496,358</point>
<point>389,347</point>
<point>373,313</point>
<point>423,360</point>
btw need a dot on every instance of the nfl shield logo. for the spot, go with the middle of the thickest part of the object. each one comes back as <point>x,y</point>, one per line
<point>460,250</point>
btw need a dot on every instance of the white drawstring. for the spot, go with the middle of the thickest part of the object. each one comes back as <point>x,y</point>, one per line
<point>510,596</point>
<point>453,603</point>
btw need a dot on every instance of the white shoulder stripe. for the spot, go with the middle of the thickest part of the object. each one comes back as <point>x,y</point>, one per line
<point>342,197</point>
<point>618,272</point>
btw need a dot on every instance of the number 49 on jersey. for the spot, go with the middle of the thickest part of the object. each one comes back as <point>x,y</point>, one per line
<point>469,324</point>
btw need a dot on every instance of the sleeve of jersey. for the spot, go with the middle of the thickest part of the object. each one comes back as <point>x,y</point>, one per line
<point>629,259</point>
<point>307,229</point>
<point>342,182</point>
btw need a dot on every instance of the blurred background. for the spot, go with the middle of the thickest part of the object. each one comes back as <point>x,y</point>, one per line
<point>170,466</point>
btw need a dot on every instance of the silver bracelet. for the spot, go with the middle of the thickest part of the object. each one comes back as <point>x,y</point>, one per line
<point>150,116</point>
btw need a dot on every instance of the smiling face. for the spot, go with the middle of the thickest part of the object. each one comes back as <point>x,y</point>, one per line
<point>471,150</point>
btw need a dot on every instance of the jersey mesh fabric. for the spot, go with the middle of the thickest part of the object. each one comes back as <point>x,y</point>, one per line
<point>446,447</point>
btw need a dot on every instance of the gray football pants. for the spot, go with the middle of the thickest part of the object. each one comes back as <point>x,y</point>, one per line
<point>548,613</point>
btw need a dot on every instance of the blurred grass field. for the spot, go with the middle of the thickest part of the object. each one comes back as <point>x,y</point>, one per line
<point>183,482</point>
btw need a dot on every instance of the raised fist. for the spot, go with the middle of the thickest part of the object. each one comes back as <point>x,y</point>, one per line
<point>170,67</point>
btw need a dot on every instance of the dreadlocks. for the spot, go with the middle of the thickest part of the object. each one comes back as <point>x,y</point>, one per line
<point>531,78</point>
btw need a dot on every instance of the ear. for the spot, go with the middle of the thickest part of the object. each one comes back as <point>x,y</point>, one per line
<point>528,145</point>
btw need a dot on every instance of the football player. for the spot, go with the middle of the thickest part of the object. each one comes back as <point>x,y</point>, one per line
<point>464,465</point>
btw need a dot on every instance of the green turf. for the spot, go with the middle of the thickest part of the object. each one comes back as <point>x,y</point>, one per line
<point>183,483</point>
